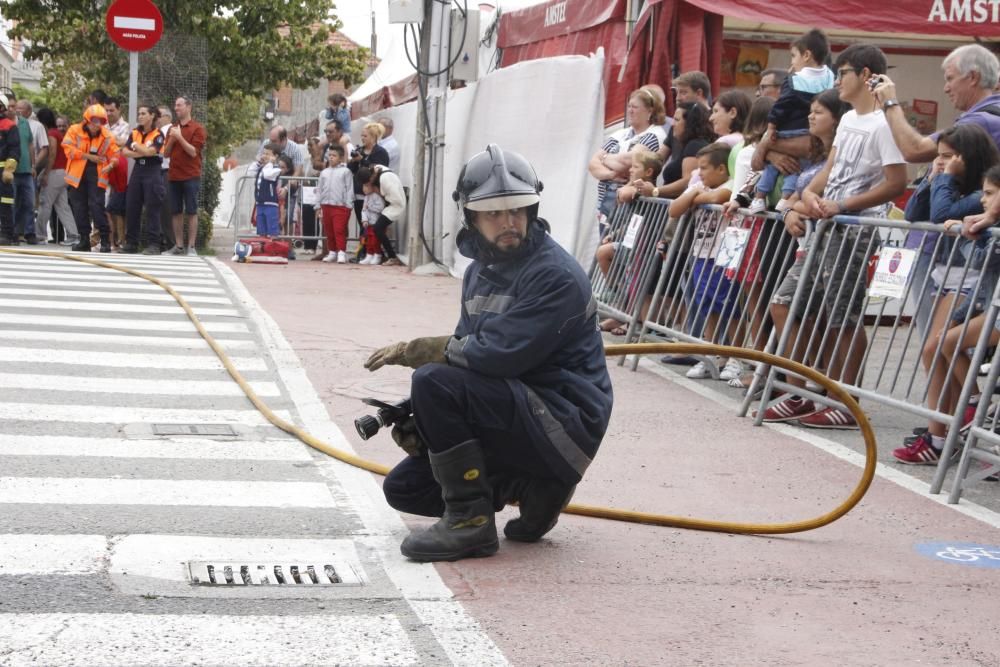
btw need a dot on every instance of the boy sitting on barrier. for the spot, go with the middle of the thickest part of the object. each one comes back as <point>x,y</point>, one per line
<point>709,295</point>
<point>864,172</point>
<point>645,167</point>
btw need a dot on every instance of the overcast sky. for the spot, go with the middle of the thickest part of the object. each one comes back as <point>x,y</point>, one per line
<point>356,17</point>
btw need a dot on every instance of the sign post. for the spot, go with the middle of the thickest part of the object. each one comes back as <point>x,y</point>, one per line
<point>134,25</point>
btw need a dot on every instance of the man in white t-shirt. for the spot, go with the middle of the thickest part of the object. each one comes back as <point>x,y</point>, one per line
<point>863,174</point>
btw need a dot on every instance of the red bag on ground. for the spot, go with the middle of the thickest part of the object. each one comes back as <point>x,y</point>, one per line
<point>265,247</point>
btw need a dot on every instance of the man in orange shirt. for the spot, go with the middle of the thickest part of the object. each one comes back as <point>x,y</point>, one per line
<point>185,141</point>
<point>90,153</point>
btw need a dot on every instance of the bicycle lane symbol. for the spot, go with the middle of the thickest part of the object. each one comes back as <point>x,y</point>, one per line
<point>962,553</point>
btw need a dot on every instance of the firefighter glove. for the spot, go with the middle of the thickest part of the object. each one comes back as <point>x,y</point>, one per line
<point>413,354</point>
<point>405,435</point>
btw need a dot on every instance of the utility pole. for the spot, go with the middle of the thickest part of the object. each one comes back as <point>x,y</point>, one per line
<point>434,58</point>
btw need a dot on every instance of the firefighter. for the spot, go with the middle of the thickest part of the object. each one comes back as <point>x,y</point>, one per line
<point>514,404</point>
<point>10,153</point>
<point>91,151</point>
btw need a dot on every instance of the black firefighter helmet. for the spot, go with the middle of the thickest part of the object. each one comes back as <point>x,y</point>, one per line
<point>497,180</point>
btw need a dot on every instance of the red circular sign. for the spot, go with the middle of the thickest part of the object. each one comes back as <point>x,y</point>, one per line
<point>134,25</point>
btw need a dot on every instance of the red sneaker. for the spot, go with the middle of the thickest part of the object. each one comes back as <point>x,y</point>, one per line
<point>788,410</point>
<point>919,453</point>
<point>830,418</point>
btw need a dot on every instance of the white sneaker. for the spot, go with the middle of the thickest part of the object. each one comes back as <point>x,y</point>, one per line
<point>758,205</point>
<point>191,252</point>
<point>341,257</point>
<point>782,205</point>
<point>376,259</point>
<point>367,259</point>
<point>330,257</point>
<point>699,371</point>
<point>732,371</point>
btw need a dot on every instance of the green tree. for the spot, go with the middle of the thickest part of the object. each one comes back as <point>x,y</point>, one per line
<point>254,48</point>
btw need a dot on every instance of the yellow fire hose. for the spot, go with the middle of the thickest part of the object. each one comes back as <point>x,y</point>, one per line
<point>833,389</point>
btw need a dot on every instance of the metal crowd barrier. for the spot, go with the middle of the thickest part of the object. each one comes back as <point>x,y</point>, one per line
<point>871,331</point>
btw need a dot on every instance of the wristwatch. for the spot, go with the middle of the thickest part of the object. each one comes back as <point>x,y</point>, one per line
<point>888,104</point>
<point>656,192</point>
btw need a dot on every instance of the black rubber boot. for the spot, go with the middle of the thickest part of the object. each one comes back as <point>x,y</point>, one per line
<point>467,529</point>
<point>540,501</point>
<point>83,245</point>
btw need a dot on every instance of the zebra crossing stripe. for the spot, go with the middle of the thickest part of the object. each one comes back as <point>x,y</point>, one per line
<point>127,359</point>
<point>198,492</point>
<point>99,306</point>
<point>162,448</point>
<point>117,340</point>
<point>159,295</point>
<point>98,322</point>
<point>68,274</point>
<point>105,414</point>
<point>120,283</point>
<point>125,640</point>
<point>104,385</point>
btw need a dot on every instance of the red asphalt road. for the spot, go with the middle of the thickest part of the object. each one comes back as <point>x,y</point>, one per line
<point>598,592</point>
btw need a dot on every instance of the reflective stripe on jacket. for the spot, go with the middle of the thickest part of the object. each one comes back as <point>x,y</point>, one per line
<point>77,143</point>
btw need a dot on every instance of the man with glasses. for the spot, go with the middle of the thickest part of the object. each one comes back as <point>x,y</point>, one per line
<point>770,83</point>
<point>970,79</point>
<point>90,153</point>
<point>333,133</point>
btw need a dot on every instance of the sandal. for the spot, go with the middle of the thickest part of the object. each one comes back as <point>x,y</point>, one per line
<point>742,382</point>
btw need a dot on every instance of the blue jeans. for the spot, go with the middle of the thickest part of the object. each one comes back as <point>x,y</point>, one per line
<point>769,177</point>
<point>24,204</point>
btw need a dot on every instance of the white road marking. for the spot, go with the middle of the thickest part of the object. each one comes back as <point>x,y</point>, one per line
<point>124,640</point>
<point>921,488</point>
<point>175,447</point>
<point>138,264</point>
<point>103,306</point>
<point>123,284</point>
<point>52,554</point>
<point>463,639</point>
<point>105,414</point>
<point>158,295</point>
<point>113,341</point>
<point>127,360</point>
<point>98,322</point>
<point>132,385</point>
<point>196,492</point>
<point>87,272</point>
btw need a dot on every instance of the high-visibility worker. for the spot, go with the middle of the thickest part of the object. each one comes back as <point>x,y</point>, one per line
<point>10,153</point>
<point>90,154</point>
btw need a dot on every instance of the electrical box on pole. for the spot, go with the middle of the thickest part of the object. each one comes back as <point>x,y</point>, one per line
<point>465,45</point>
<point>406,11</point>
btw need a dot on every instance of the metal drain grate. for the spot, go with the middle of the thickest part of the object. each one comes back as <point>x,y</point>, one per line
<point>209,430</point>
<point>241,573</point>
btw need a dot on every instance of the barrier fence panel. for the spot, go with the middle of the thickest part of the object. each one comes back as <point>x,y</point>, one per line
<point>831,311</point>
<point>891,310</point>
<point>626,264</point>
<point>717,274</point>
<point>982,443</point>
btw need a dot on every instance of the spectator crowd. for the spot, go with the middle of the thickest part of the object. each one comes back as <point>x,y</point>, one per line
<point>827,137</point>
<point>70,181</point>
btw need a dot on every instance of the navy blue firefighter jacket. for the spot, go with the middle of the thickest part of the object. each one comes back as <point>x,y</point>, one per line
<point>532,321</point>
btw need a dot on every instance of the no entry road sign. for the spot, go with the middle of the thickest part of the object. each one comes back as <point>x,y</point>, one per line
<point>134,25</point>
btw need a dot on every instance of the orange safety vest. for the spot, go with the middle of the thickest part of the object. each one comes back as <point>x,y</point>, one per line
<point>77,143</point>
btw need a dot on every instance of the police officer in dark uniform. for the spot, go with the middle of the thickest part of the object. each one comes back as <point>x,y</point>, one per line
<point>514,404</point>
<point>10,154</point>
<point>145,186</point>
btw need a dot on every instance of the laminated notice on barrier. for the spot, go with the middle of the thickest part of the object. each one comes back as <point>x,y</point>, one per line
<point>308,196</point>
<point>730,253</point>
<point>892,272</point>
<point>634,225</point>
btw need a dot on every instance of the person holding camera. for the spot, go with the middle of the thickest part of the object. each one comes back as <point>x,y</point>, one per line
<point>367,155</point>
<point>514,404</point>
